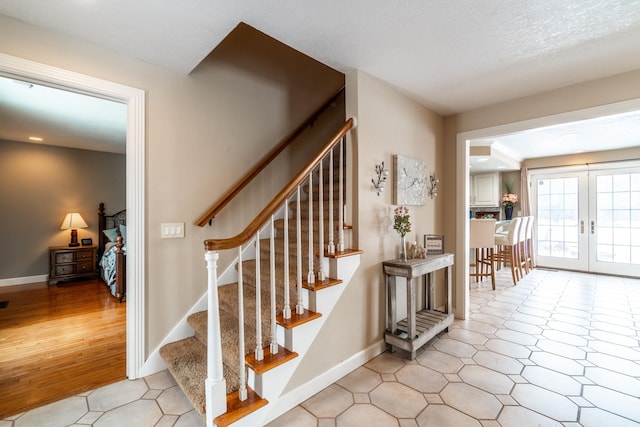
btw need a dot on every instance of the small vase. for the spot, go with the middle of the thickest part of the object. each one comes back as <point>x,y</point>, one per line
<point>508,212</point>
<point>403,248</point>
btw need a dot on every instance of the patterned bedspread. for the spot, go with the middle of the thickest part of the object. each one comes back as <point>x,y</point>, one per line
<point>108,268</point>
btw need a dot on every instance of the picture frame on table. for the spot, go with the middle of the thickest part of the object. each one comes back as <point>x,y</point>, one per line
<point>87,241</point>
<point>434,244</point>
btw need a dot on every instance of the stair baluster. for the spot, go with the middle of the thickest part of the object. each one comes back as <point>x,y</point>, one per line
<point>340,199</point>
<point>259,352</point>
<point>331,247</point>
<point>299,305</point>
<point>242,391</point>
<point>321,276</point>
<point>286,311</point>
<point>311,277</point>
<point>273,347</point>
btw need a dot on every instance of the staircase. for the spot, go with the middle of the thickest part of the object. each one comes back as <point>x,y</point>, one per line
<point>271,353</point>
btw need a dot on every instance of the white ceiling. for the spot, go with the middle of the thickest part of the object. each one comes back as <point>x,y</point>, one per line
<point>450,55</point>
<point>60,117</point>
<point>611,132</point>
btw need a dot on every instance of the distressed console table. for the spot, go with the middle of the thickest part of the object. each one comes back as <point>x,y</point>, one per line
<point>419,327</point>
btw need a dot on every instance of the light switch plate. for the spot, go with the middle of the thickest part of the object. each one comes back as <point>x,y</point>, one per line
<point>171,230</point>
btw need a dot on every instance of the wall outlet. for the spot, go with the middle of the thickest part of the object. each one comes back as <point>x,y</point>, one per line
<point>171,230</point>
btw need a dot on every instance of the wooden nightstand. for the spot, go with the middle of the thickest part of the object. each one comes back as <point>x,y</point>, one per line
<point>71,262</point>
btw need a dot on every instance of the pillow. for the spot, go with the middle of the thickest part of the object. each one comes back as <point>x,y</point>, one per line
<point>111,234</point>
<point>123,233</point>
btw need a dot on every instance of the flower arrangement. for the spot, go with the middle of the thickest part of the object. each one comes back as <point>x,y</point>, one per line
<point>401,220</point>
<point>509,199</point>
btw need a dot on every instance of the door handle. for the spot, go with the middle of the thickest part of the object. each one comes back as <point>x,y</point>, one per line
<point>593,227</point>
<point>581,227</point>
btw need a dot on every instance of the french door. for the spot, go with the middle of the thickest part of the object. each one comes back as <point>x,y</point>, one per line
<point>588,220</point>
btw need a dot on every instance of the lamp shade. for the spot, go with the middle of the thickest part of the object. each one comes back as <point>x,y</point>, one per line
<point>73,220</point>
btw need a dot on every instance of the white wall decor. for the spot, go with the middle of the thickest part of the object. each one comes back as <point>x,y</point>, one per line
<point>410,181</point>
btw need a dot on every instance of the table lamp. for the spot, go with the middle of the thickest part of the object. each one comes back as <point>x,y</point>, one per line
<point>73,221</point>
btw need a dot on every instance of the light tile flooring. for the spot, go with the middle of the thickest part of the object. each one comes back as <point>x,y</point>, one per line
<point>558,349</point>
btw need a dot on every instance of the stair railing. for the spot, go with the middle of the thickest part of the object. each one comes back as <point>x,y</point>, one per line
<point>215,383</point>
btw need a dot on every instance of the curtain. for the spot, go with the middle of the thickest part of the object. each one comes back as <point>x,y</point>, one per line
<point>525,202</point>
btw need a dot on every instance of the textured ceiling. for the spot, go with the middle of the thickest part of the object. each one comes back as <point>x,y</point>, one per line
<point>451,55</point>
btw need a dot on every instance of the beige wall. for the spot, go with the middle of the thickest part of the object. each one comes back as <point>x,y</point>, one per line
<point>561,102</point>
<point>202,131</point>
<point>40,184</point>
<point>388,123</point>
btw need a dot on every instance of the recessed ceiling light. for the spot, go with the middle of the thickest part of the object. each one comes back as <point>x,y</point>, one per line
<point>27,85</point>
<point>482,159</point>
<point>35,138</point>
<point>570,135</point>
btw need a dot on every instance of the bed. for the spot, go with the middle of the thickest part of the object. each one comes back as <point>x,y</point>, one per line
<point>112,248</point>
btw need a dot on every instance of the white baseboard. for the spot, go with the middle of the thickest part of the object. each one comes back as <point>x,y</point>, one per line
<point>305,391</point>
<point>24,280</point>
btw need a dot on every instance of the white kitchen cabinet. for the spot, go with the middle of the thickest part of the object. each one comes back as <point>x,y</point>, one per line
<point>485,189</point>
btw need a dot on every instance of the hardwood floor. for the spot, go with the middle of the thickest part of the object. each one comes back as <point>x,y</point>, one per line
<point>58,341</point>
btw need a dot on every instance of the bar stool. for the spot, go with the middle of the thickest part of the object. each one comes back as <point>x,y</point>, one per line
<point>522,249</point>
<point>481,238</point>
<point>508,248</point>
<point>529,244</point>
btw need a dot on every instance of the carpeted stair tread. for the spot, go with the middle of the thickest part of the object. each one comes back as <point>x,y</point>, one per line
<point>279,230</point>
<point>304,211</point>
<point>229,324</point>
<point>228,296</point>
<point>187,361</point>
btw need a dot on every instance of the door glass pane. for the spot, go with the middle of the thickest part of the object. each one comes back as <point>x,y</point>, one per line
<point>605,253</point>
<point>605,183</point>
<point>635,181</point>
<point>617,218</point>
<point>605,235</point>
<point>558,224</point>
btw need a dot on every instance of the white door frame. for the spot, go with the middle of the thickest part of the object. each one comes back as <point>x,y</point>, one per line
<point>461,302</point>
<point>135,170</point>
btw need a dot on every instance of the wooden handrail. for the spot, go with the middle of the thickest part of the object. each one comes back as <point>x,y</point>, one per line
<point>248,233</point>
<point>249,176</point>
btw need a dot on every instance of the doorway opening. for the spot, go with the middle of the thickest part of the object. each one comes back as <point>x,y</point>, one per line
<point>135,187</point>
<point>463,142</point>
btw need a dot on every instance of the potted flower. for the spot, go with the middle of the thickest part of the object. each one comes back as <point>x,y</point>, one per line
<point>509,199</point>
<point>402,224</point>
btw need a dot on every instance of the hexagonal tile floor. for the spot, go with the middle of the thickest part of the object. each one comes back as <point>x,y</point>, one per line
<point>155,400</point>
<point>558,349</point>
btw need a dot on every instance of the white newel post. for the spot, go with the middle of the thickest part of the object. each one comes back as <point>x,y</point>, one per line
<point>216,388</point>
